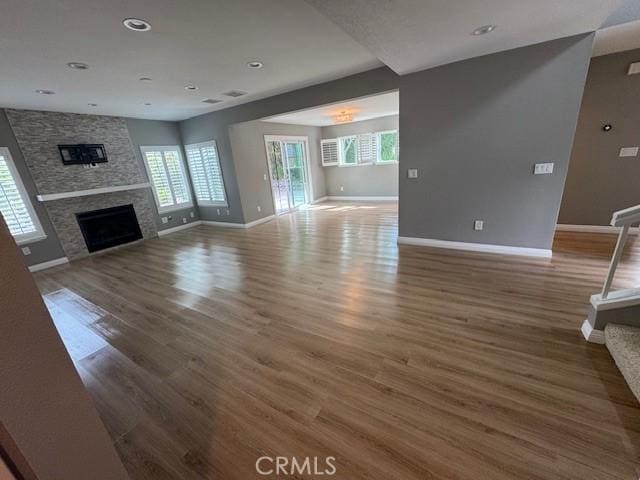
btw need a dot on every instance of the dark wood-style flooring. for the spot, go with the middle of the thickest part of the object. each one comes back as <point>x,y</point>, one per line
<point>316,335</point>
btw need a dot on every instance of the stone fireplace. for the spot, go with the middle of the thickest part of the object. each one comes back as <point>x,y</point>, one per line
<point>69,190</point>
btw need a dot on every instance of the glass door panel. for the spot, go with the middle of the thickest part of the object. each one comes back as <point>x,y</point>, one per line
<point>279,177</point>
<point>294,160</point>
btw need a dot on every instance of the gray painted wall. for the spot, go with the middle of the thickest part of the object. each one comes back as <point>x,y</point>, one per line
<point>363,180</point>
<point>475,129</point>
<point>49,248</point>
<point>599,182</point>
<point>147,133</point>
<point>249,154</point>
<point>215,125</point>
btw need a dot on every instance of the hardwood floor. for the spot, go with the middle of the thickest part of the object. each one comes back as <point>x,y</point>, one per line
<point>316,335</point>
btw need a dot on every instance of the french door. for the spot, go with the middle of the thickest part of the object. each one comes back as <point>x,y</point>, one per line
<point>287,160</point>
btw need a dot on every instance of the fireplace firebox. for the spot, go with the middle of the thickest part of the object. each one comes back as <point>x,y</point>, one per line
<point>109,227</point>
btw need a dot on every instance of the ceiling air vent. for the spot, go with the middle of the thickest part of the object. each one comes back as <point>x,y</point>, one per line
<point>234,93</point>
<point>211,101</point>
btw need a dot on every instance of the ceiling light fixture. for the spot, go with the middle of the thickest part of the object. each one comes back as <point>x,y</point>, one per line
<point>255,65</point>
<point>191,88</point>
<point>137,24</point>
<point>145,79</point>
<point>45,92</point>
<point>78,65</point>
<point>92,104</point>
<point>343,117</point>
<point>147,103</point>
<point>211,101</point>
<point>484,30</point>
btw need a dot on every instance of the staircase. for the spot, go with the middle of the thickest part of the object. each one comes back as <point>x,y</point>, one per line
<point>623,342</point>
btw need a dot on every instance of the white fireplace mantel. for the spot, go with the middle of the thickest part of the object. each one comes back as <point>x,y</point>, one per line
<point>94,191</point>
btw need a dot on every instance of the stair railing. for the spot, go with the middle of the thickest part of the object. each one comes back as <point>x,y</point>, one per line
<point>622,218</point>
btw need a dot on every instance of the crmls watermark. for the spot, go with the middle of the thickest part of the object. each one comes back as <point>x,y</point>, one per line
<point>296,466</point>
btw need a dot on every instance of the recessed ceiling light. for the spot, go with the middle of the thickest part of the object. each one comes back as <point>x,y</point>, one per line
<point>78,65</point>
<point>137,24</point>
<point>211,101</point>
<point>145,79</point>
<point>45,92</point>
<point>191,88</point>
<point>92,104</point>
<point>484,30</point>
<point>255,64</point>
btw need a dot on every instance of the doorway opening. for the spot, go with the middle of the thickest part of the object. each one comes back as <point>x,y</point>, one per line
<point>287,159</point>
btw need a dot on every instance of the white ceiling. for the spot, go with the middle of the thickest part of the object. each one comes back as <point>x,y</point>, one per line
<point>201,42</point>
<point>617,39</point>
<point>411,35</point>
<point>365,108</point>
<point>209,42</point>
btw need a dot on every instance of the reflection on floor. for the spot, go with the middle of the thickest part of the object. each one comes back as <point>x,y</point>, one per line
<point>316,335</point>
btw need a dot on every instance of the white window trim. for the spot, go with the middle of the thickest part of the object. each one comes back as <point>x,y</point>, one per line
<point>38,235</point>
<point>341,152</point>
<point>379,148</point>
<point>330,140</point>
<point>176,206</point>
<point>207,203</point>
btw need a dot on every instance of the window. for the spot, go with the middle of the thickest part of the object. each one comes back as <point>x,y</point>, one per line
<point>15,205</point>
<point>387,147</point>
<point>348,150</point>
<point>329,149</point>
<point>367,148</point>
<point>206,174</point>
<point>167,176</point>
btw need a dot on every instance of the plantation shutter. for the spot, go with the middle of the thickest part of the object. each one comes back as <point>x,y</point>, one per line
<point>329,152</point>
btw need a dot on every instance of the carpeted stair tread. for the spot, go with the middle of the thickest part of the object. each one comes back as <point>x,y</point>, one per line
<point>623,342</point>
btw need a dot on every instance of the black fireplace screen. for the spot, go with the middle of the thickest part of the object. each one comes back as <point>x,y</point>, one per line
<point>109,227</point>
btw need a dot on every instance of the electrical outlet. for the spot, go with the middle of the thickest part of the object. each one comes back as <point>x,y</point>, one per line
<point>192,214</point>
<point>218,211</point>
<point>265,177</point>
<point>342,188</point>
<point>228,213</point>
<point>412,173</point>
<point>184,219</point>
<point>629,152</point>
<point>259,208</point>
<point>165,220</point>
<point>478,225</point>
<point>543,168</point>
<point>26,250</point>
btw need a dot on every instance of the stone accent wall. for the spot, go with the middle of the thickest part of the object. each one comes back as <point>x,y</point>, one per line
<point>63,216</point>
<point>39,134</point>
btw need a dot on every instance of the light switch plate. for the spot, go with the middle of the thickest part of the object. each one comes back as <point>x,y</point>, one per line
<point>26,250</point>
<point>165,220</point>
<point>629,152</point>
<point>543,169</point>
<point>478,225</point>
<point>412,173</point>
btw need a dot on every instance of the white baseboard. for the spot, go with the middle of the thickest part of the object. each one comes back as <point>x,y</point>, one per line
<point>321,199</point>
<point>238,225</point>
<point>259,221</point>
<point>168,231</point>
<point>593,229</point>
<point>591,335</point>
<point>476,247</point>
<point>362,199</point>
<point>51,263</point>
